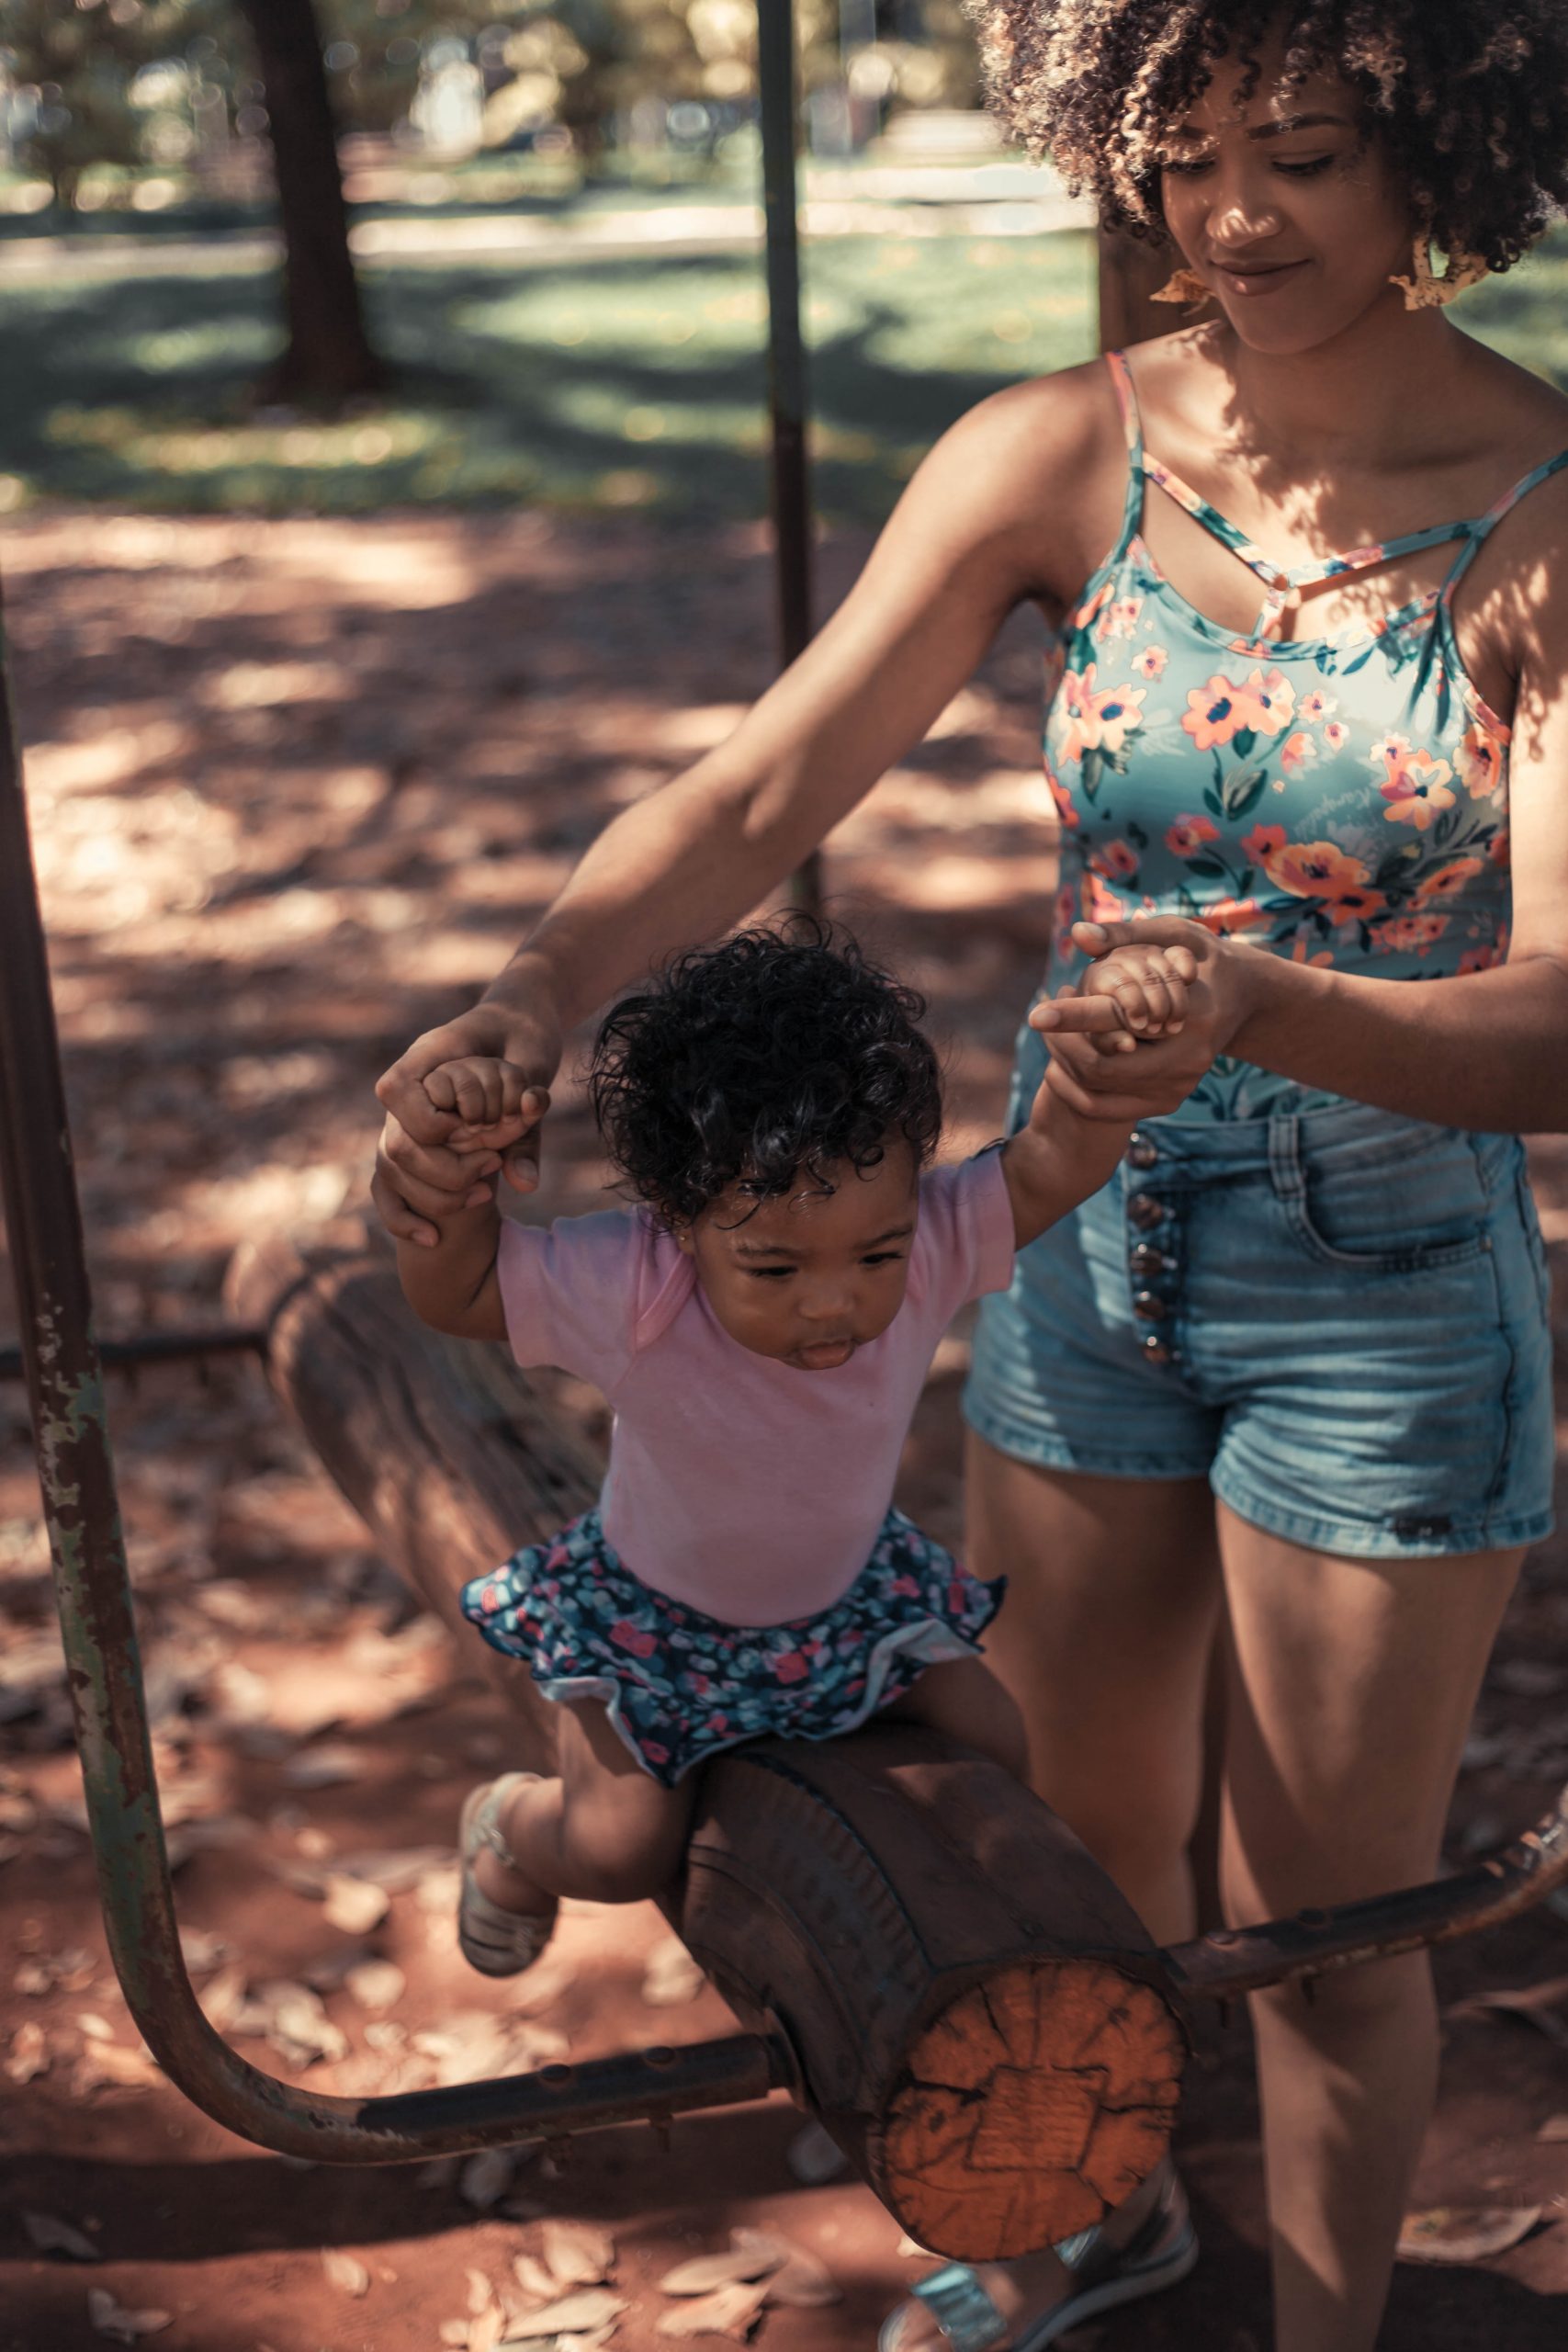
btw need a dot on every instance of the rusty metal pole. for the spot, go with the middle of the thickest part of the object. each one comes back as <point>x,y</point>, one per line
<point>787,392</point>
<point>76,1468</point>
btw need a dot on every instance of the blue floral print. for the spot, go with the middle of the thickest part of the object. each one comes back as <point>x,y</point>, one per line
<point>680,1686</point>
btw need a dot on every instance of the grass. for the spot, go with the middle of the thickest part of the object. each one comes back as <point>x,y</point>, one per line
<point>600,382</point>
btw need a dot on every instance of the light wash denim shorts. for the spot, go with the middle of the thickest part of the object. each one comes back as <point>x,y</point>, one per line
<point>1339,1319</point>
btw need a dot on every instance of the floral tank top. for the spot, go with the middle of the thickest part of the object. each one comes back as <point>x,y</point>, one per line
<point>1338,800</point>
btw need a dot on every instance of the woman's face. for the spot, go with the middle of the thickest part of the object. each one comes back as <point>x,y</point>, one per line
<point>1285,207</point>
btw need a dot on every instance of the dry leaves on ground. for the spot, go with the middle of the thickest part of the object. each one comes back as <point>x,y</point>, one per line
<point>1536,2005</point>
<point>115,2320</point>
<point>345,2270</point>
<point>50,2234</point>
<point>578,2313</point>
<point>1554,2129</point>
<point>770,2269</point>
<point>670,1975</point>
<point>1465,2233</point>
<point>28,2054</point>
<point>731,2310</point>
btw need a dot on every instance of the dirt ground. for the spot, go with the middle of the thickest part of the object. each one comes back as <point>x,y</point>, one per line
<point>295,787</point>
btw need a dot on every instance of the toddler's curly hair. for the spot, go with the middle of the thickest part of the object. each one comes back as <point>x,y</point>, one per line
<point>1471,96</point>
<point>773,1058</point>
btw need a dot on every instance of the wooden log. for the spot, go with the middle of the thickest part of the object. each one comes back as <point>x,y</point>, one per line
<point>970,2007</point>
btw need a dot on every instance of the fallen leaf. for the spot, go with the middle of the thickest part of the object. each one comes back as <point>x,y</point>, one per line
<point>670,1975</point>
<point>221,1999</point>
<point>907,2247</point>
<point>1554,2128</point>
<point>376,1984</point>
<point>345,2270</point>
<point>536,2282</point>
<point>110,2063</point>
<point>485,2178</point>
<point>731,2310</point>
<point>486,2331</point>
<point>95,2029</point>
<point>323,1768</point>
<point>803,2283</point>
<point>125,2327</point>
<point>355,1905</point>
<point>576,2254</point>
<point>454,2332</point>
<point>749,2254</point>
<point>1534,2005</point>
<point>586,2310</point>
<point>28,2054</point>
<point>1465,2233</point>
<point>52,2236</point>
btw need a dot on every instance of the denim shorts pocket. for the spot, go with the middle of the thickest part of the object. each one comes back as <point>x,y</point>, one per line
<point>1410,1202</point>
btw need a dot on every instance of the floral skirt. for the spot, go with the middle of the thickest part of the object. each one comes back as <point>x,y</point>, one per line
<point>679,1686</point>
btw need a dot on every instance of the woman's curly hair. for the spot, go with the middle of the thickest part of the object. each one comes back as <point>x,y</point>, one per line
<point>1469,96</point>
<point>779,1055</point>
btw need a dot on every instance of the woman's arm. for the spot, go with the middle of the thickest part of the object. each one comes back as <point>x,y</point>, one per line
<point>972,536</point>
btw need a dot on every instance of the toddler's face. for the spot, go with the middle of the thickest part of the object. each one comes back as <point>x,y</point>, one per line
<point>809,1276</point>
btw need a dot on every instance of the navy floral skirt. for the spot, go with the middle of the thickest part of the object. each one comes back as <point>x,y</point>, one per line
<point>679,1686</point>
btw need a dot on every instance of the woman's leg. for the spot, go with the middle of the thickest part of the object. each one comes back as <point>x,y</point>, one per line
<point>1104,1640</point>
<point>1350,1686</point>
<point>605,1831</point>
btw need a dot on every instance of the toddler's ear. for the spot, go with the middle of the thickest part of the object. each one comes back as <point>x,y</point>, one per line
<point>682,1237</point>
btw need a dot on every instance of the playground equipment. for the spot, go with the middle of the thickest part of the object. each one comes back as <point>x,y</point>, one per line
<point>917,1951</point>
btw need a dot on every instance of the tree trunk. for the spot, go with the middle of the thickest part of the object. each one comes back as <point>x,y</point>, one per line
<point>328,355</point>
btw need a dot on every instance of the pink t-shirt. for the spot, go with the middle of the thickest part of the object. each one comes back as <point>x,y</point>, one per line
<point>743,1487</point>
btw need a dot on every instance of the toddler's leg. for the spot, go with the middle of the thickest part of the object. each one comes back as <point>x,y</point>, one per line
<point>604,1831</point>
<point>963,1698</point>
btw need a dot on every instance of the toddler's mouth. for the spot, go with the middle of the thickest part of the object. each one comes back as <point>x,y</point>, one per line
<point>823,1355</point>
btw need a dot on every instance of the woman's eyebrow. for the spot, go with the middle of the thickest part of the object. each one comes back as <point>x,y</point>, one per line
<point>1300,123</point>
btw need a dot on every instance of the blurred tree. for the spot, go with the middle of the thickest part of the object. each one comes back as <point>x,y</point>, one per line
<point>72,69</point>
<point>327,356</point>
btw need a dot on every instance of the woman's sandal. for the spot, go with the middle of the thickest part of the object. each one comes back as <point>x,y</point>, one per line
<point>496,1941</point>
<point>1162,2250</point>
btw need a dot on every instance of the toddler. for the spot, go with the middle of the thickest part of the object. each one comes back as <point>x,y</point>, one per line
<point>762,1320</point>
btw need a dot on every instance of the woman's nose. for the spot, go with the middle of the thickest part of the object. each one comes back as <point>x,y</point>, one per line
<point>1240,219</point>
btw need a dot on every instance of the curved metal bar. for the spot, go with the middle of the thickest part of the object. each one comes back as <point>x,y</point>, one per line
<point>1243,1960</point>
<point>76,1469</point>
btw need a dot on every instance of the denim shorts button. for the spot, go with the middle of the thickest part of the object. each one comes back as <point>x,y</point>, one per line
<point>1148,1307</point>
<point>1145,1211</point>
<point>1155,1349</point>
<point>1144,1261</point>
<point>1141,1152</point>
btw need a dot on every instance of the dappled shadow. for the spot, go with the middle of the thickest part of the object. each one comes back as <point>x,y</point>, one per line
<point>597,382</point>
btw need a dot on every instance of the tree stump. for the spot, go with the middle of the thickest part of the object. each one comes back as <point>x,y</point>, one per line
<point>971,2008</point>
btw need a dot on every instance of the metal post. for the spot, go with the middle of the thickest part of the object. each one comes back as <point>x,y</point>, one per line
<point>76,1469</point>
<point>786,358</point>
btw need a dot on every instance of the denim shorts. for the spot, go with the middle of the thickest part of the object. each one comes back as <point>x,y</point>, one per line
<point>1340,1319</point>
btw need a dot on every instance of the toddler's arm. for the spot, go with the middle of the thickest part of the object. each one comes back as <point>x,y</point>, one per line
<point>451,1282</point>
<point>1060,1158</point>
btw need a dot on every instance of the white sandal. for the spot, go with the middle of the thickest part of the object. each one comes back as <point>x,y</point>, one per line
<point>1162,2250</point>
<point>496,1941</point>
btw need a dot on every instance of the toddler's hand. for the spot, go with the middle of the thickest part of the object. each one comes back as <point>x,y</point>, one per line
<point>1132,995</point>
<point>491,1102</point>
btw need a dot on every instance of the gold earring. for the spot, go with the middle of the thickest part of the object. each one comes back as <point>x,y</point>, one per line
<point>1425,291</point>
<point>1184,285</point>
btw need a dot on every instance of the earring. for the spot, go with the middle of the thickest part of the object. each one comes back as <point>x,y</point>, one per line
<point>1426,290</point>
<point>1184,285</point>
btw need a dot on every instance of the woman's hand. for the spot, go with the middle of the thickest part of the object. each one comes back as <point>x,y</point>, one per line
<point>1090,1067</point>
<point>431,1162</point>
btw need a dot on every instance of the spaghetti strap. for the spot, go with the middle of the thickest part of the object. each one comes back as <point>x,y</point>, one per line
<point>1127,402</point>
<point>1476,533</point>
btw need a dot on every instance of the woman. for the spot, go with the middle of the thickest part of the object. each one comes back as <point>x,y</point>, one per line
<point>1285,1381</point>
